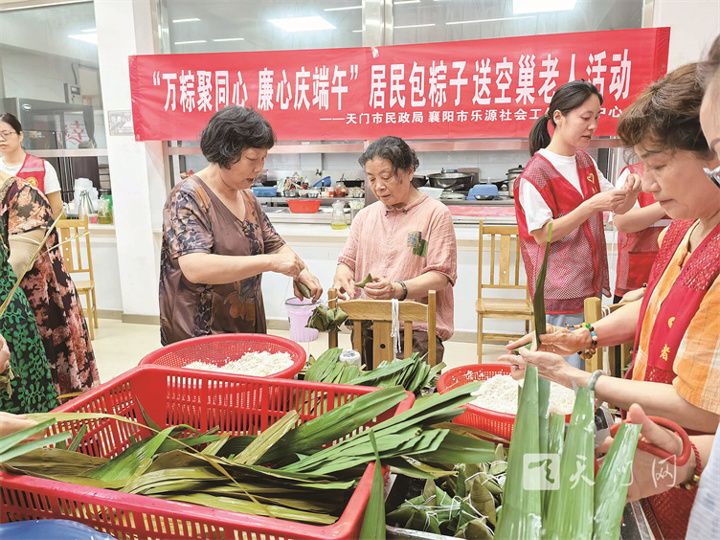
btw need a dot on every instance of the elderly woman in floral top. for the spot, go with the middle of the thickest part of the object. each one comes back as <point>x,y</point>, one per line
<point>26,215</point>
<point>217,241</point>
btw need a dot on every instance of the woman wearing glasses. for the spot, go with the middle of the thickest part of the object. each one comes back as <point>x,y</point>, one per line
<point>16,162</point>
<point>676,369</point>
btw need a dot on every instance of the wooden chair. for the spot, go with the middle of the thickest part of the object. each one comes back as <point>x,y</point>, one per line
<point>504,276</point>
<point>75,244</point>
<point>594,311</point>
<point>380,313</point>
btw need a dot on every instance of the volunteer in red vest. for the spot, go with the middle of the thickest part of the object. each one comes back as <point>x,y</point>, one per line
<point>638,232</point>
<point>561,185</point>
<point>16,162</point>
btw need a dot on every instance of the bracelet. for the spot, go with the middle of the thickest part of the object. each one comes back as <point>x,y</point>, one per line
<point>404,288</point>
<point>690,484</point>
<point>593,379</point>
<point>590,351</point>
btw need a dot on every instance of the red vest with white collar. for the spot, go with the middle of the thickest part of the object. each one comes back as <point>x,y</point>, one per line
<point>577,264</point>
<point>33,171</point>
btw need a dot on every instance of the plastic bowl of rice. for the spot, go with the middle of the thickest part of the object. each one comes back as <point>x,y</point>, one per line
<point>259,355</point>
<point>493,409</point>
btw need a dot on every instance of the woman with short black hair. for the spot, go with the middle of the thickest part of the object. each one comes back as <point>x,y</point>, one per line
<point>217,241</point>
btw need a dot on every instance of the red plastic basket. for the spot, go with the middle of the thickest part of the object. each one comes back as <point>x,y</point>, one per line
<point>219,349</point>
<point>304,206</point>
<point>237,404</point>
<point>496,423</point>
<point>493,422</point>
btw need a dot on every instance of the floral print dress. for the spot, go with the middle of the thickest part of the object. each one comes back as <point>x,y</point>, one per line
<point>32,388</point>
<point>51,292</point>
<point>195,220</point>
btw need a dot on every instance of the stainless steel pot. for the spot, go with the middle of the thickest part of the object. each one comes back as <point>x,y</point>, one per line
<point>512,174</point>
<point>450,180</point>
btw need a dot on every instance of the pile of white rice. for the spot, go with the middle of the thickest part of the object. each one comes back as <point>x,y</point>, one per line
<point>256,363</point>
<point>500,393</point>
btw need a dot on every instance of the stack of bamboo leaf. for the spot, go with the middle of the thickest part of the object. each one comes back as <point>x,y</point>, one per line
<point>296,471</point>
<point>412,373</point>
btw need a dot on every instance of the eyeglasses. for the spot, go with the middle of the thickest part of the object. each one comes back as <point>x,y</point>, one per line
<point>713,175</point>
<point>7,134</point>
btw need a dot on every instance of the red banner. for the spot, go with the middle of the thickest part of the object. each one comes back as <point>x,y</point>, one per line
<point>490,88</point>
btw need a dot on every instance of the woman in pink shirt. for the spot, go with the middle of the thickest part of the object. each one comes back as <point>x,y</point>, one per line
<point>406,240</point>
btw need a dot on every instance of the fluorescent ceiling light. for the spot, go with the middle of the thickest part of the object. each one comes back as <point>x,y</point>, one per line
<point>492,20</point>
<point>302,24</point>
<point>345,8</point>
<point>534,6</point>
<point>399,2</point>
<point>230,39</point>
<point>86,37</point>
<point>193,19</point>
<point>356,31</point>
<point>94,30</point>
<point>414,26</point>
<point>190,42</point>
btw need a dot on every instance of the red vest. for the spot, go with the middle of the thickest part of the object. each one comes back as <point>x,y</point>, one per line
<point>33,171</point>
<point>636,251</point>
<point>671,509</point>
<point>577,265</point>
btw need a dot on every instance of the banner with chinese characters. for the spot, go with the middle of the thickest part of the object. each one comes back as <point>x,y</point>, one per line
<point>482,89</point>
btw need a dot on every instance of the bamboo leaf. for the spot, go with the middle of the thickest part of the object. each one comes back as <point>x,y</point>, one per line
<point>264,441</point>
<point>570,508</point>
<point>9,441</point>
<point>522,508</point>
<point>373,527</point>
<point>29,446</point>
<point>612,481</point>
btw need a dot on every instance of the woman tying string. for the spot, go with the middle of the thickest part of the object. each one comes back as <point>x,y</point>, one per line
<point>676,369</point>
<point>562,186</point>
<point>406,240</point>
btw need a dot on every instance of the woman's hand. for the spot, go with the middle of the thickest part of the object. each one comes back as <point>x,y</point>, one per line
<point>633,184</point>
<point>312,283</point>
<point>4,354</point>
<point>608,201</point>
<point>550,366</point>
<point>632,296</point>
<point>12,423</point>
<point>557,340</point>
<point>344,282</point>
<point>650,475</point>
<point>382,289</point>
<point>287,262</point>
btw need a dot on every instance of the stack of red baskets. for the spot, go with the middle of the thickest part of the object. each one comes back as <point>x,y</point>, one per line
<point>201,399</point>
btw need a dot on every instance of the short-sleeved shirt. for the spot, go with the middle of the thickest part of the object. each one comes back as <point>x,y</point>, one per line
<point>402,244</point>
<point>51,182</point>
<point>195,220</point>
